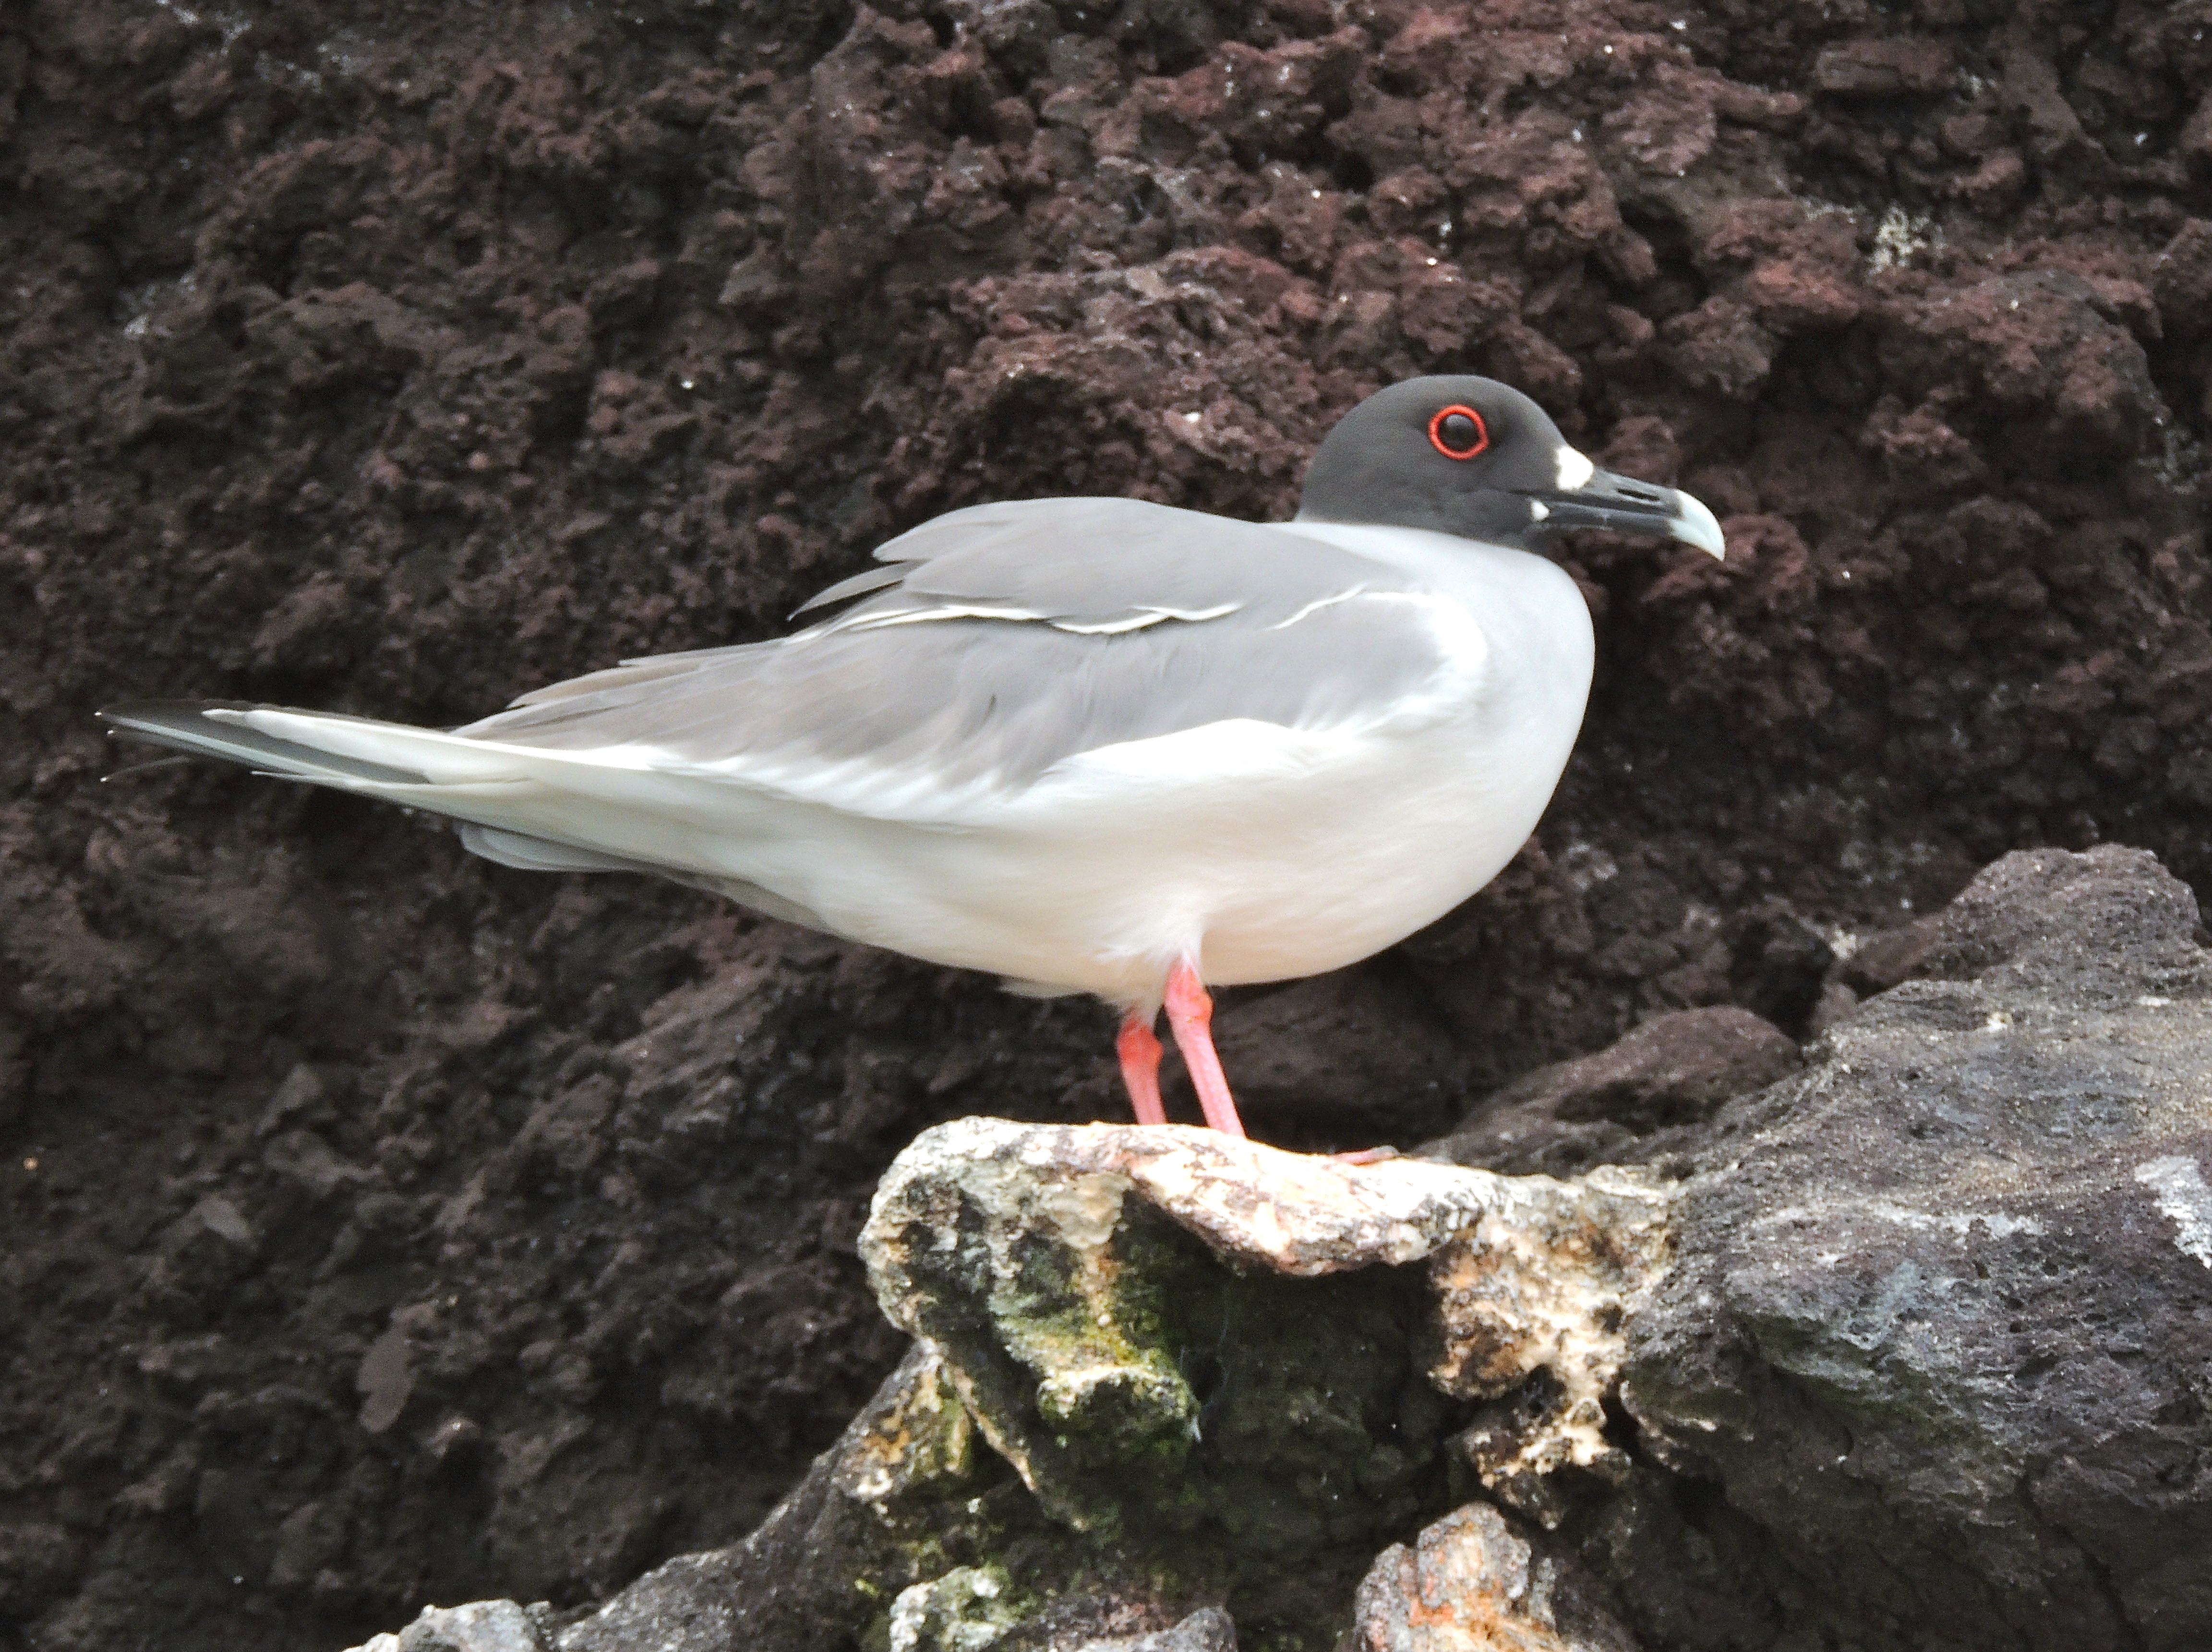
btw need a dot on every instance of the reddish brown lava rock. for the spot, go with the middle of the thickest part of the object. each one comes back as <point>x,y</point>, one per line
<point>399,358</point>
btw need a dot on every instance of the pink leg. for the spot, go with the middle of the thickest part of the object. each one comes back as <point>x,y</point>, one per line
<point>1141,1067</point>
<point>1190,1014</point>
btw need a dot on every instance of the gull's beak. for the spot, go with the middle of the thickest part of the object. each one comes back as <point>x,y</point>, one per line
<point>1622,506</point>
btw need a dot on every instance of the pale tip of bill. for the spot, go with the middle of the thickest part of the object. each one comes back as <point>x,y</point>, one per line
<point>1693,525</point>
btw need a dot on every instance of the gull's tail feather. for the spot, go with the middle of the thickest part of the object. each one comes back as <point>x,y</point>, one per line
<point>215,728</point>
<point>418,768</point>
<point>519,807</point>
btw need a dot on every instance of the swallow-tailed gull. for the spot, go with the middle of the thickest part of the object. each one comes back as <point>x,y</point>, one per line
<point>1091,745</point>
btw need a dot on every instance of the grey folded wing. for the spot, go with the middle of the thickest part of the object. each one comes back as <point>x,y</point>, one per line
<point>1004,639</point>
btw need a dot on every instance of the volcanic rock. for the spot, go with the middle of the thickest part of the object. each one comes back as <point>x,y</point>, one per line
<point>1629,1102</point>
<point>480,1626</point>
<point>1470,1583</point>
<point>1034,1256</point>
<point>1937,1322</point>
<point>1910,1353</point>
<point>1158,1371</point>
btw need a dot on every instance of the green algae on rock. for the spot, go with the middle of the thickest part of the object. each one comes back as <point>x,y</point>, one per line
<point>1214,1359</point>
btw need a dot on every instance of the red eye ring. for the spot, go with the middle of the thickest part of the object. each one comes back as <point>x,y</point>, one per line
<point>1436,432</point>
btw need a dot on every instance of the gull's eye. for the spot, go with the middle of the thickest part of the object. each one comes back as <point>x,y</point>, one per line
<point>1458,432</point>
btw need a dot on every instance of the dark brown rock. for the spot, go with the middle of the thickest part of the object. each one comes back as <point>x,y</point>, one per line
<point>2196,134</point>
<point>1893,956</point>
<point>1902,66</point>
<point>1672,1071</point>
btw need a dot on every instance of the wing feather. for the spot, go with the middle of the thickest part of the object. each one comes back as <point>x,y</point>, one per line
<point>1000,640</point>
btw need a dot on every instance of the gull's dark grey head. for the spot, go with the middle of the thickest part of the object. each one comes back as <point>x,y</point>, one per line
<point>1474,458</point>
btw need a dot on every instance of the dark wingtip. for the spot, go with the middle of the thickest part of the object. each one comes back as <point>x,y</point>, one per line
<point>185,725</point>
<point>158,711</point>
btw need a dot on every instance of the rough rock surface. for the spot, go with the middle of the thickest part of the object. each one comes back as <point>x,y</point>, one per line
<point>1067,1322</point>
<point>1207,1630</point>
<point>1157,1373</point>
<point>480,1626</point>
<point>1937,1323</point>
<point>1470,1583</point>
<point>380,1226</point>
<point>1912,1355</point>
<point>1631,1102</point>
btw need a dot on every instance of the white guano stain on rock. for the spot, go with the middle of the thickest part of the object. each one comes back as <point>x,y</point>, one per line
<point>2183,1200</point>
<point>1998,1224</point>
<point>1550,1279</point>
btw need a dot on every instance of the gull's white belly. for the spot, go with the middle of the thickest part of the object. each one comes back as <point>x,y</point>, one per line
<point>1103,888</point>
